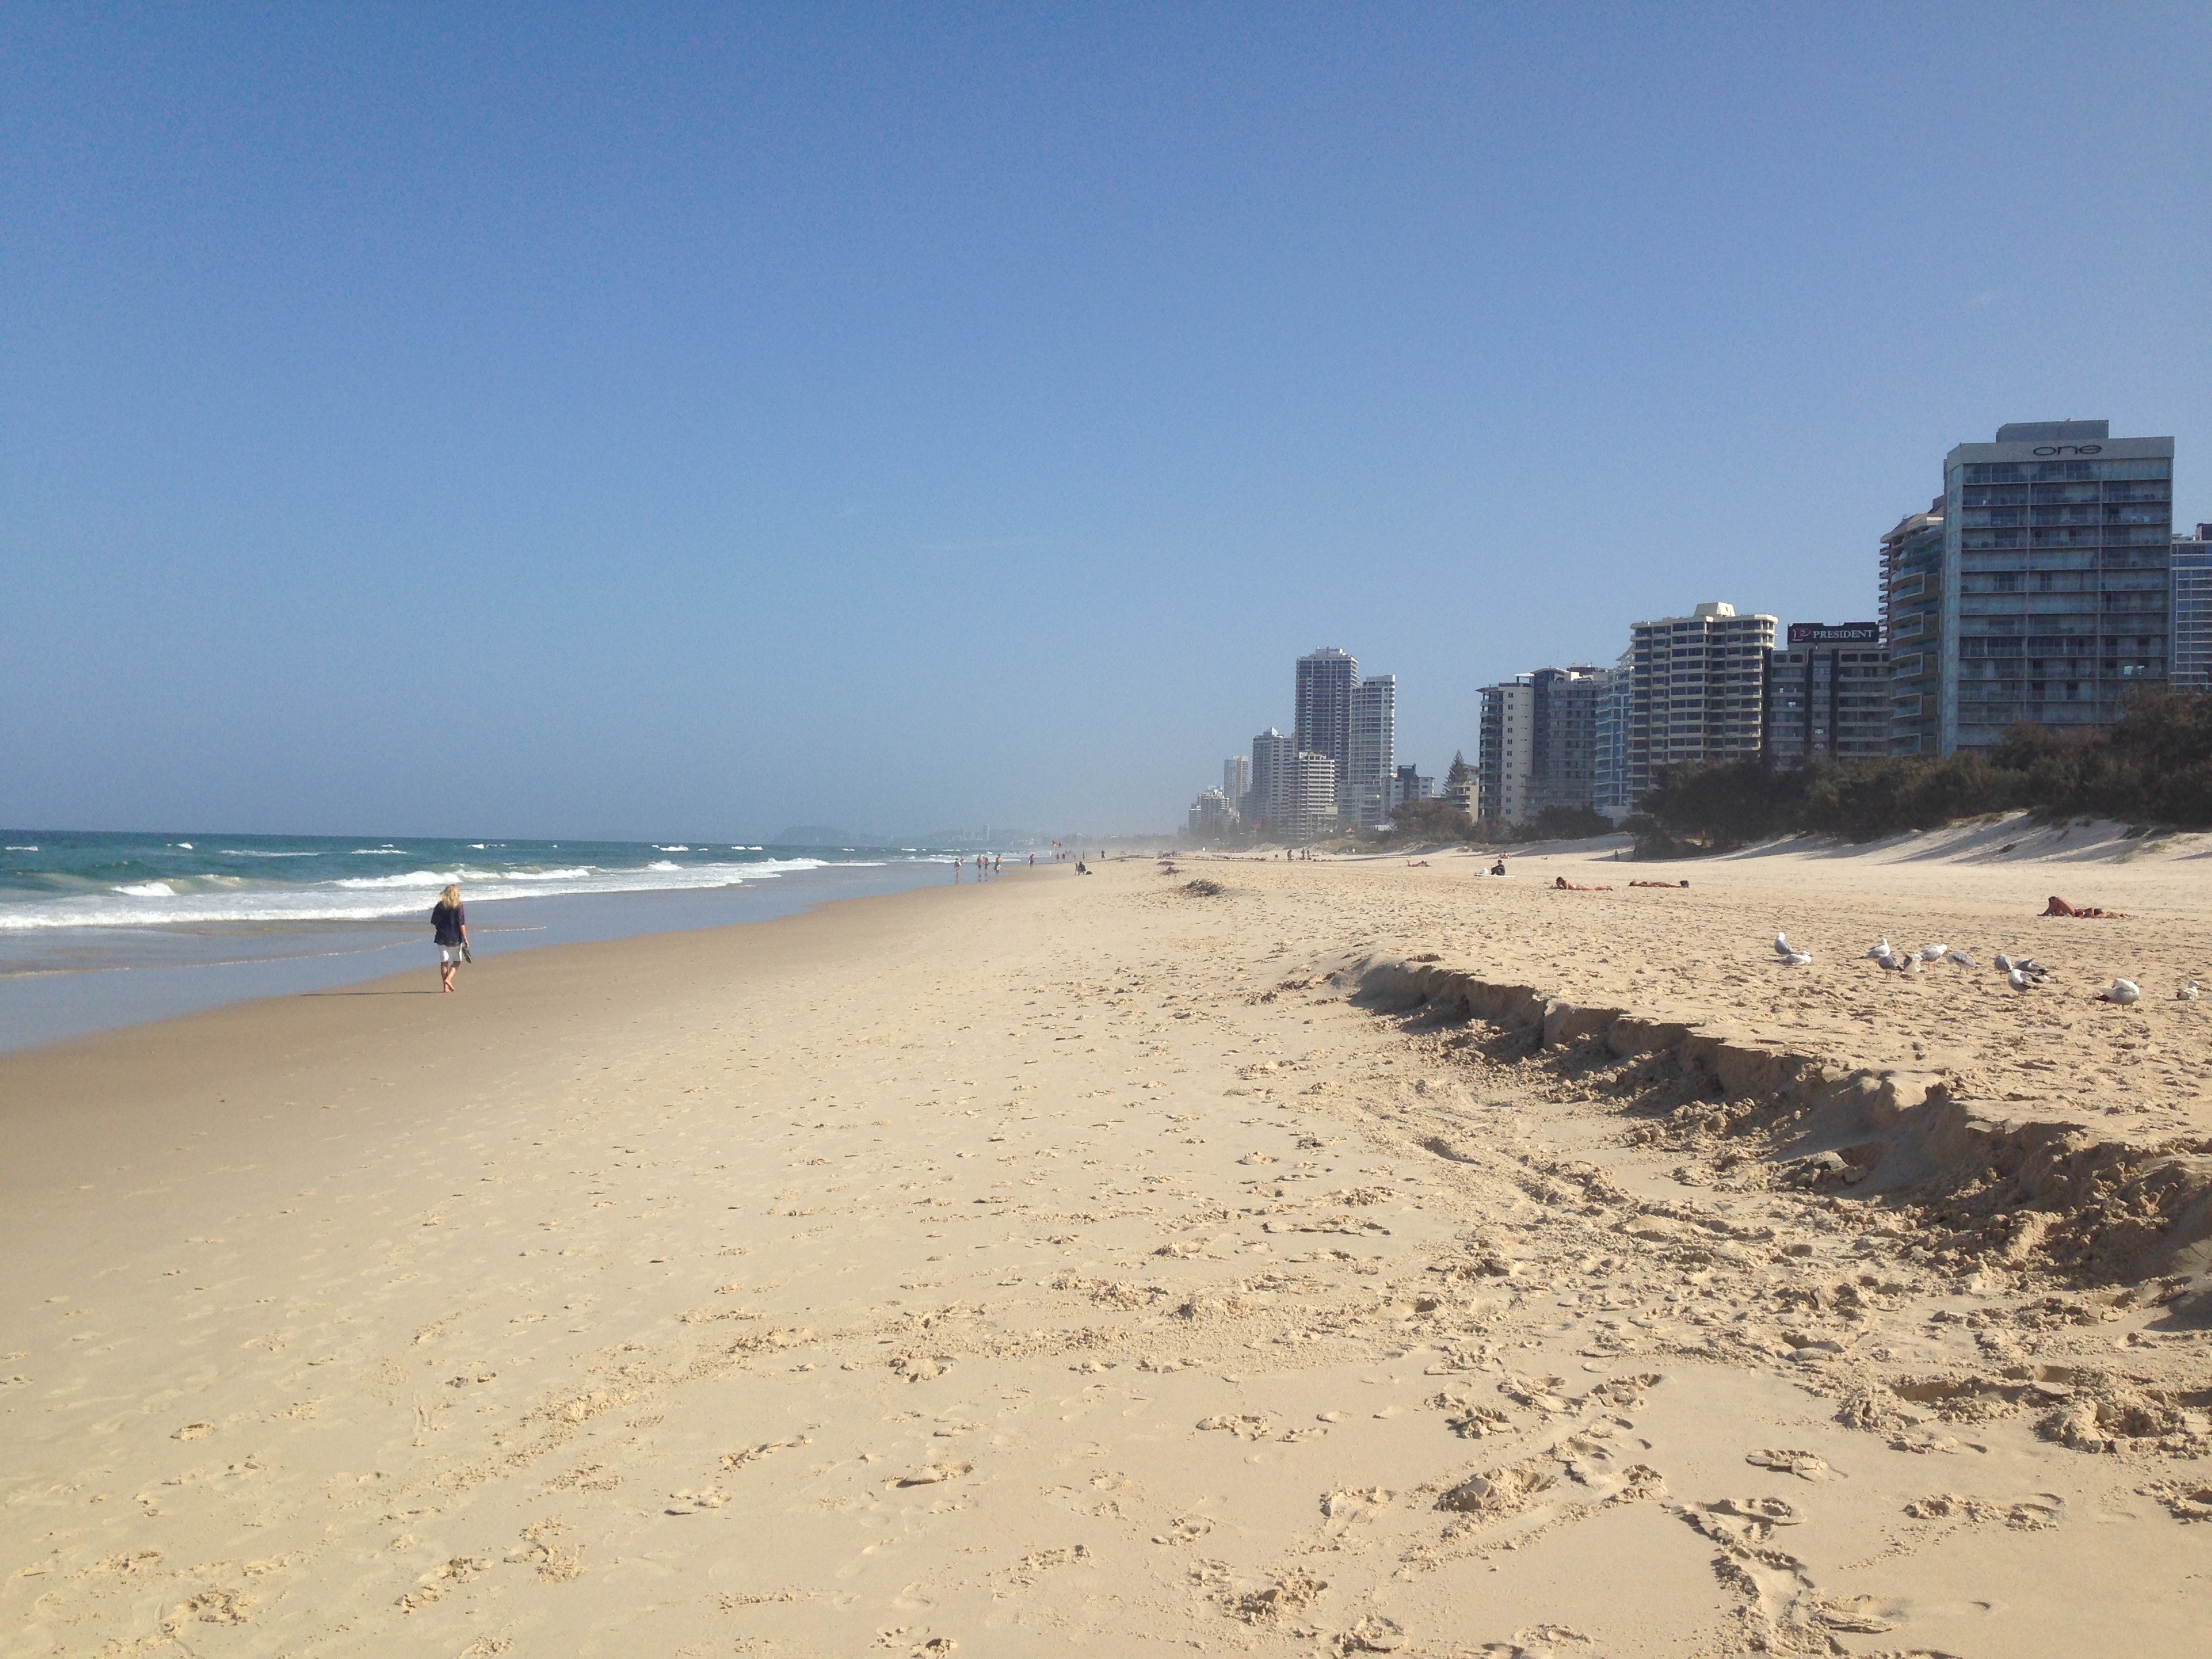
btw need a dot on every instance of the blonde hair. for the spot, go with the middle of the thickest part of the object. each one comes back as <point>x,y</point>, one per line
<point>452,897</point>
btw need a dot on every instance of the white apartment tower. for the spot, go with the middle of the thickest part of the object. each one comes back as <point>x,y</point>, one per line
<point>1507,744</point>
<point>1268,803</point>
<point>1371,757</point>
<point>1699,691</point>
<point>1237,784</point>
<point>1311,811</point>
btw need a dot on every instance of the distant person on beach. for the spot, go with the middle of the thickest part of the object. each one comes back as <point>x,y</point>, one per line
<point>1498,868</point>
<point>449,926</point>
<point>2059,907</point>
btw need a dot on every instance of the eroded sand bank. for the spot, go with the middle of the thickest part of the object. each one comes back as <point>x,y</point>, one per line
<point>1100,1261</point>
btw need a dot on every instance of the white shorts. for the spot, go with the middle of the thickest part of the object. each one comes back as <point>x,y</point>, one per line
<point>451,952</point>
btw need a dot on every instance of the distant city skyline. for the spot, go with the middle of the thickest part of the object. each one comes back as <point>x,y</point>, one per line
<point>563,422</point>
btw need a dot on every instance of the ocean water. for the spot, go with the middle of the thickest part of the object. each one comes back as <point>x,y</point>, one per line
<point>103,930</point>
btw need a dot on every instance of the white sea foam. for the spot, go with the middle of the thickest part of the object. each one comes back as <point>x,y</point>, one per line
<point>252,853</point>
<point>678,847</point>
<point>382,851</point>
<point>20,849</point>
<point>368,898</point>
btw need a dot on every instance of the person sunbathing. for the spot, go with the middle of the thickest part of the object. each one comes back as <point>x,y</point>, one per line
<point>2059,907</point>
<point>1562,884</point>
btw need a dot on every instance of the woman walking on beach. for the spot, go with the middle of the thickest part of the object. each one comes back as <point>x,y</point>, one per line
<point>449,923</point>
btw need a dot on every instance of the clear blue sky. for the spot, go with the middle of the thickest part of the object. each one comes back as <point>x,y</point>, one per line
<point>649,420</point>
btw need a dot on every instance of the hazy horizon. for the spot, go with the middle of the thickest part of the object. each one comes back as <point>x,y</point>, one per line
<point>555,423</point>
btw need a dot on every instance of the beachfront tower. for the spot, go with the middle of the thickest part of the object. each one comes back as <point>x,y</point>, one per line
<point>1540,744</point>
<point>1609,740</point>
<point>1509,720</point>
<point>2057,577</point>
<point>1371,756</point>
<point>1912,626</point>
<point>1325,680</point>
<point>1311,813</point>
<point>2192,611</point>
<point>1237,784</point>
<point>1827,694</point>
<point>1268,805</point>
<point>1699,693</point>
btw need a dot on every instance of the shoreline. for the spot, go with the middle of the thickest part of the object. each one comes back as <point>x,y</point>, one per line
<point>1090,1261</point>
<point>48,1005</point>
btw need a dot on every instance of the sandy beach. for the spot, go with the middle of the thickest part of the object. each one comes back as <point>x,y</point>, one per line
<point>1244,1257</point>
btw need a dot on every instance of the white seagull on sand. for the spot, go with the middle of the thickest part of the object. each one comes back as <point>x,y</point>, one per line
<point>2123,991</point>
<point>1881,951</point>
<point>1933,952</point>
<point>2017,980</point>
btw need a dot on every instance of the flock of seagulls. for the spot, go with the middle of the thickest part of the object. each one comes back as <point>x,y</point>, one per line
<point>2022,974</point>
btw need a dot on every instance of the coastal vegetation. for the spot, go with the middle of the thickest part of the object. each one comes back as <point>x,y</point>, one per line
<point>2153,767</point>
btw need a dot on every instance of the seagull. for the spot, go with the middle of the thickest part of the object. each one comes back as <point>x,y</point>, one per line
<point>2030,965</point>
<point>1881,951</point>
<point>2017,980</point>
<point>2189,993</point>
<point>1962,959</point>
<point>1797,958</point>
<point>2003,963</point>
<point>1933,952</point>
<point>2122,991</point>
<point>1783,947</point>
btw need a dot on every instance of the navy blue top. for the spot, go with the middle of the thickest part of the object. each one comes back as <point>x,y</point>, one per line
<point>447,920</point>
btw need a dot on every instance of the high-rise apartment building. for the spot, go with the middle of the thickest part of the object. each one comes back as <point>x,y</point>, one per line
<point>1609,740</point>
<point>1408,786</point>
<point>1827,694</point>
<point>1371,753</point>
<point>2192,611</point>
<point>1507,734</point>
<point>1323,725</point>
<point>1236,783</point>
<point>1268,805</point>
<point>1698,691</point>
<point>1539,743</point>
<point>1912,611</point>
<point>1563,739</point>
<point>1209,815</point>
<point>2058,576</point>
<point>1312,810</point>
